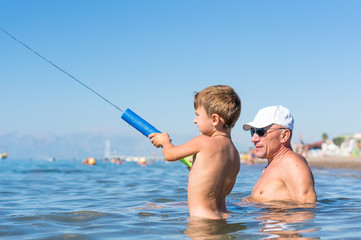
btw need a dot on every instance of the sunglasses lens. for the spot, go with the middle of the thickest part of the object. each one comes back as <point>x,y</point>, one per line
<point>252,132</point>
<point>260,131</point>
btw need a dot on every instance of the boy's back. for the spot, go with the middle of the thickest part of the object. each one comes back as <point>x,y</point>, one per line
<point>216,162</point>
<point>212,177</point>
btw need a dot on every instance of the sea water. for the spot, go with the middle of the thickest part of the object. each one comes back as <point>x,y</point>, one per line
<point>69,200</point>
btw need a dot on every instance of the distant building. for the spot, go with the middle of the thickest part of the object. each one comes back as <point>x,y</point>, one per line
<point>357,136</point>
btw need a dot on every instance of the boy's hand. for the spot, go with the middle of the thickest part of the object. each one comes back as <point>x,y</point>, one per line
<point>191,160</point>
<point>159,139</point>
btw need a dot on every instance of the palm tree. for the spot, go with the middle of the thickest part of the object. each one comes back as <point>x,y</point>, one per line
<point>324,136</point>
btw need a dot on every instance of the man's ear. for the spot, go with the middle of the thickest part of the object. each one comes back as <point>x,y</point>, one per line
<point>285,135</point>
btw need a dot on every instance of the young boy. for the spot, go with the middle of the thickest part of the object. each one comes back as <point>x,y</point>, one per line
<point>216,161</point>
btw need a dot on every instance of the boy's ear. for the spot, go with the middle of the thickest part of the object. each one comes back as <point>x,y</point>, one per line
<point>216,119</point>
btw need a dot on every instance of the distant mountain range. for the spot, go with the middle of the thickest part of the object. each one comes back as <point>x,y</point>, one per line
<point>83,145</point>
<point>74,146</point>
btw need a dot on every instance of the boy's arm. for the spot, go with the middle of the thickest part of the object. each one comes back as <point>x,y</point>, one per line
<point>173,153</point>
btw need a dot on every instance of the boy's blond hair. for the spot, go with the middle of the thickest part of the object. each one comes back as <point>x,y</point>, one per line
<point>222,100</point>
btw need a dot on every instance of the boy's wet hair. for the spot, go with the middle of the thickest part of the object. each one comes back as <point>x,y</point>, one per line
<point>222,100</point>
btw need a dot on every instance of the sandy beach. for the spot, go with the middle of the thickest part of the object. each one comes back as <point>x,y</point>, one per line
<point>330,162</point>
<point>336,162</point>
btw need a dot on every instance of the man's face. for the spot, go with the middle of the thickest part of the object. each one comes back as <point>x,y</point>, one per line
<point>266,140</point>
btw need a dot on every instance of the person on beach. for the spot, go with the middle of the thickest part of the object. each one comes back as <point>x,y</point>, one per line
<point>287,176</point>
<point>216,161</point>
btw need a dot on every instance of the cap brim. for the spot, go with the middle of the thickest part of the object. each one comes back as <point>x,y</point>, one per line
<point>250,125</point>
<point>247,127</point>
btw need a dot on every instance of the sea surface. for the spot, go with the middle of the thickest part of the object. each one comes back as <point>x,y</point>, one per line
<point>68,200</point>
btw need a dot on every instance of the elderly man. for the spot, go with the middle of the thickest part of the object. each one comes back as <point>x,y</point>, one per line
<point>287,176</point>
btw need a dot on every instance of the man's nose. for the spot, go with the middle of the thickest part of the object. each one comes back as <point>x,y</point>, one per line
<point>255,138</point>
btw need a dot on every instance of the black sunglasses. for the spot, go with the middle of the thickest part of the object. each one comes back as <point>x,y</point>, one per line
<point>262,131</point>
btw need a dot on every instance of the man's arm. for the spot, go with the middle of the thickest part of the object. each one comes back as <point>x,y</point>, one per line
<point>299,180</point>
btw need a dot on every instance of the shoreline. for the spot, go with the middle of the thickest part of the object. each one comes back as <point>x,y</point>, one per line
<point>346,162</point>
<point>341,162</point>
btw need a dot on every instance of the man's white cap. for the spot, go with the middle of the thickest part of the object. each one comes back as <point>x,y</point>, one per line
<point>271,115</point>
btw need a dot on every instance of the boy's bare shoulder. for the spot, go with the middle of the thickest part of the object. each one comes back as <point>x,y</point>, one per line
<point>201,139</point>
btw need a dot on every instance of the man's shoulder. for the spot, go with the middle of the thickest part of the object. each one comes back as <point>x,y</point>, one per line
<point>293,157</point>
<point>293,162</point>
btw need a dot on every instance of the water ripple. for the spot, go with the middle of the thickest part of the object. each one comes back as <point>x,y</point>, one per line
<point>67,200</point>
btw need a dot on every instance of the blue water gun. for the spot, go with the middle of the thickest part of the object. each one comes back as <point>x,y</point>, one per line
<point>145,128</point>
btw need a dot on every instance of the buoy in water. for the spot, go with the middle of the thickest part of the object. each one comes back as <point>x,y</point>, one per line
<point>91,161</point>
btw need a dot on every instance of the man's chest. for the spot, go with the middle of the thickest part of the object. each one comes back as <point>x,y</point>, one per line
<point>269,187</point>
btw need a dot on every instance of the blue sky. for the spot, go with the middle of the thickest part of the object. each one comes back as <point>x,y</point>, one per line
<point>151,56</point>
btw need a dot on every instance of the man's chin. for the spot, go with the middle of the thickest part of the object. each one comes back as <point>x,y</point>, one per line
<point>260,155</point>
